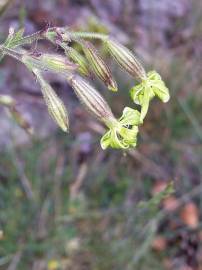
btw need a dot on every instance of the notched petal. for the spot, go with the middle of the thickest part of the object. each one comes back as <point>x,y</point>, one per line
<point>123,133</point>
<point>144,92</point>
<point>158,86</point>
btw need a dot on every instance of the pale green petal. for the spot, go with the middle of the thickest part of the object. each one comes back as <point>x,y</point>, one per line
<point>130,117</point>
<point>145,105</point>
<point>129,135</point>
<point>123,133</point>
<point>158,86</point>
<point>147,89</point>
<point>135,93</point>
<point>105,140</point>
<point>153,75</point>
<point>161,91</point>
<point>117,141</point>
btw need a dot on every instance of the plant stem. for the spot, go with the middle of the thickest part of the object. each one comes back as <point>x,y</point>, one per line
<point>89,35</point>
<point>10,52</point>
<point>27,39</point>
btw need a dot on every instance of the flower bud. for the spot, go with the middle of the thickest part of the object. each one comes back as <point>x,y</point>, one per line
<point>98,65</point>
<point>58,63</point>
<point>56,107</point>
<point>77,58</point>
<point>20,120</point>
<point>93,101</point>
<point>49,62</point>
<point>7,100</point>
<point>125,58</point>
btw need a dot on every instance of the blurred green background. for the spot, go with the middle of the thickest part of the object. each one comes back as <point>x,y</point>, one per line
<point>65,203</point>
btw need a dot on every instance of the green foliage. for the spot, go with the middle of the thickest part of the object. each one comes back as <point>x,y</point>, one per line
<point>156,199</point>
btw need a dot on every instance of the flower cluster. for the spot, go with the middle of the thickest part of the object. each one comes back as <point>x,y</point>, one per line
<point>74,65</point>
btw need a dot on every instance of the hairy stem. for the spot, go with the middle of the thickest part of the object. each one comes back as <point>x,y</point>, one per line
<point>89,35</point>
<point>13,53</point>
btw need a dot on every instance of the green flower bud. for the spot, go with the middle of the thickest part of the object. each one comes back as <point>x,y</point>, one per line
<point>77,58</point>
<point>98,66</point>
<point>58,63</point>
<point>122,134</point>
<point>56,107</point>
<point>7,100</point>
<point>49,62</point>
<point>125,58</point>
<point>93,101</point>
<point>152,86</point>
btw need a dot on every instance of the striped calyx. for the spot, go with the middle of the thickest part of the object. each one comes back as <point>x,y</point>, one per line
<point>125,58</point>
<point>49,62</point>
<point>90,97</point>
<point>56,107</point>
<point>98,65</point>
<point>77,58</point>
<point>58,63</point>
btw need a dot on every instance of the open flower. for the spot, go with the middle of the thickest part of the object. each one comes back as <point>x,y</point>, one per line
<point>123,132</point>
<point>152,86</point>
